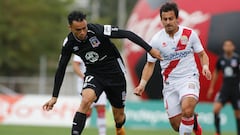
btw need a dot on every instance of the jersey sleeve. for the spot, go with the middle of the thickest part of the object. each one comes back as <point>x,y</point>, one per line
<point>114,32</point>
<point>62,65</point>
<point>197,45</point>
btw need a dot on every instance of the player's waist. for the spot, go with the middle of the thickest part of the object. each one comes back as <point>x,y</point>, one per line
<point>176,79</point>
<point>231,81</point>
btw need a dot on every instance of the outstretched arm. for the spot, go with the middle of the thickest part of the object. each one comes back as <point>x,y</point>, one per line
<point>115,32</point>
<point>76,65</point>
<point>60,73</point>
<point>138,40</point>
<point>64,59</point>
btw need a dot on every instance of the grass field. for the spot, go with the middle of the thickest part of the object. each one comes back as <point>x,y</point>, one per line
<point>33,130</point>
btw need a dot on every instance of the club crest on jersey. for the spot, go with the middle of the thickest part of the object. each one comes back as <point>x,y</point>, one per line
<point>94,42</point>
<point>234,63</point>
<point>184,40</point>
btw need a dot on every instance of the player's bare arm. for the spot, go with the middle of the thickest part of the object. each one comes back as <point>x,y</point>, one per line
<point>146,74</point>
<point>77,70</point>
<point>205,64</point>
<point>212,84</point>
<point>64,59</point>
<point>49,105</point>
<point>155,53</point>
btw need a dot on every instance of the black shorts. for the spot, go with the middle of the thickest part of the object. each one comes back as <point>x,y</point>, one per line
<point>229,93</point>
<point>114,85</point>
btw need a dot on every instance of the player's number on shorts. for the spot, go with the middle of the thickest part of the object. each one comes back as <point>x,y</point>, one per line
<point>88,78</point>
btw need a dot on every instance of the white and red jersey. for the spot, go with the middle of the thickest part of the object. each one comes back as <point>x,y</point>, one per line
<point>82,65</point>
<point>178,53</point>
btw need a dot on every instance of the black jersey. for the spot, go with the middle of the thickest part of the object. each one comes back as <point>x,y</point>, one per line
<point>230,68</point>
<point>97,51</point>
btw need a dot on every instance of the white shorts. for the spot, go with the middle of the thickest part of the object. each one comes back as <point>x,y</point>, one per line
<point>102,99</point>
<point>175,91</point>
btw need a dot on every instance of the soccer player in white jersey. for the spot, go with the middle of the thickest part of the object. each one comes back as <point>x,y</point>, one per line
<point>177,45</point>
<point>79,68</point>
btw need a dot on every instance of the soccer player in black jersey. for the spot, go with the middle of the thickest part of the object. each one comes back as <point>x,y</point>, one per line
<point>229,64</point>
<point>105,68</point>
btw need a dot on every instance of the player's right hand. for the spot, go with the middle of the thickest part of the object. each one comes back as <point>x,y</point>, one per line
<point>49,105</point>
<point>155,53</point>
<point>139,90</point>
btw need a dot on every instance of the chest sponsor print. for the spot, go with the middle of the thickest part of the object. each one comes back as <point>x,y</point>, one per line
<point>92,56</point>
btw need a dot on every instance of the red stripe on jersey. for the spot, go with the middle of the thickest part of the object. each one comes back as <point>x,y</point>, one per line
<point>180,46</point>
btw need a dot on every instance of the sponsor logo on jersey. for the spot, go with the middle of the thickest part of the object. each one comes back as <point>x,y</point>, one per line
<point>177,55</point>
<point>115,29</point>
<point>164,44</point>
<point>75,48</point>
<point>94,41</point>
<point>92,56</point>
<point>228,71</point>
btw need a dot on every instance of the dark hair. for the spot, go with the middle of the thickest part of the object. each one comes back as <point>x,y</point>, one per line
<point>76,16</point>
<point>169,7</point>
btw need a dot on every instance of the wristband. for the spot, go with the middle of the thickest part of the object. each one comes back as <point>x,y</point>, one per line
<point>205,67</point>
<point>143,83</point>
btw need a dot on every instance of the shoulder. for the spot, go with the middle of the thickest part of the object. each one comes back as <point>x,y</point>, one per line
<point>186,28</point>
<point>236,56</point>
<point>193,32</point>
<point>68,39</point>
<point>98,29</point>
<point>158,36</point>
<point>95,28</point>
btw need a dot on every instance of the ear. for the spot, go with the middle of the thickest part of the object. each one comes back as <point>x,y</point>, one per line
<point>69,27</point>
<point>178,20</point>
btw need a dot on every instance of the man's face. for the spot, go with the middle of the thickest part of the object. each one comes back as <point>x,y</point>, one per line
<point>169,21</point>
<point>228,47</point>
<point>79,29</point>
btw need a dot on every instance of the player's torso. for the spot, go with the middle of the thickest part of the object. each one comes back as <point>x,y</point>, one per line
<point>98,53</point>
<point>230,67</point>
<point>171,51</point>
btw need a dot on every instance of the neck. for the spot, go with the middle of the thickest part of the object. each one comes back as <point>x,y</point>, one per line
<point>229,55</point>
<point>171,33</point>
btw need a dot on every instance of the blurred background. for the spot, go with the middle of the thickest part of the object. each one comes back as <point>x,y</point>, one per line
<point>31,36</point>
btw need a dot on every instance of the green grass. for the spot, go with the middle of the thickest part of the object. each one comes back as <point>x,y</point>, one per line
<point>34,130</point>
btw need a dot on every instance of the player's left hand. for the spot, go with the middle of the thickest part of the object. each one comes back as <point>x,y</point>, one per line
<point>155,53</point>
<point>49,105</point>
<point>206,72</point>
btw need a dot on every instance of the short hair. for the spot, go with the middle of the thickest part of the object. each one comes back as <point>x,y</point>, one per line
<point>76,16</point>
<point>169,7</point>
<point>228,40</point>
